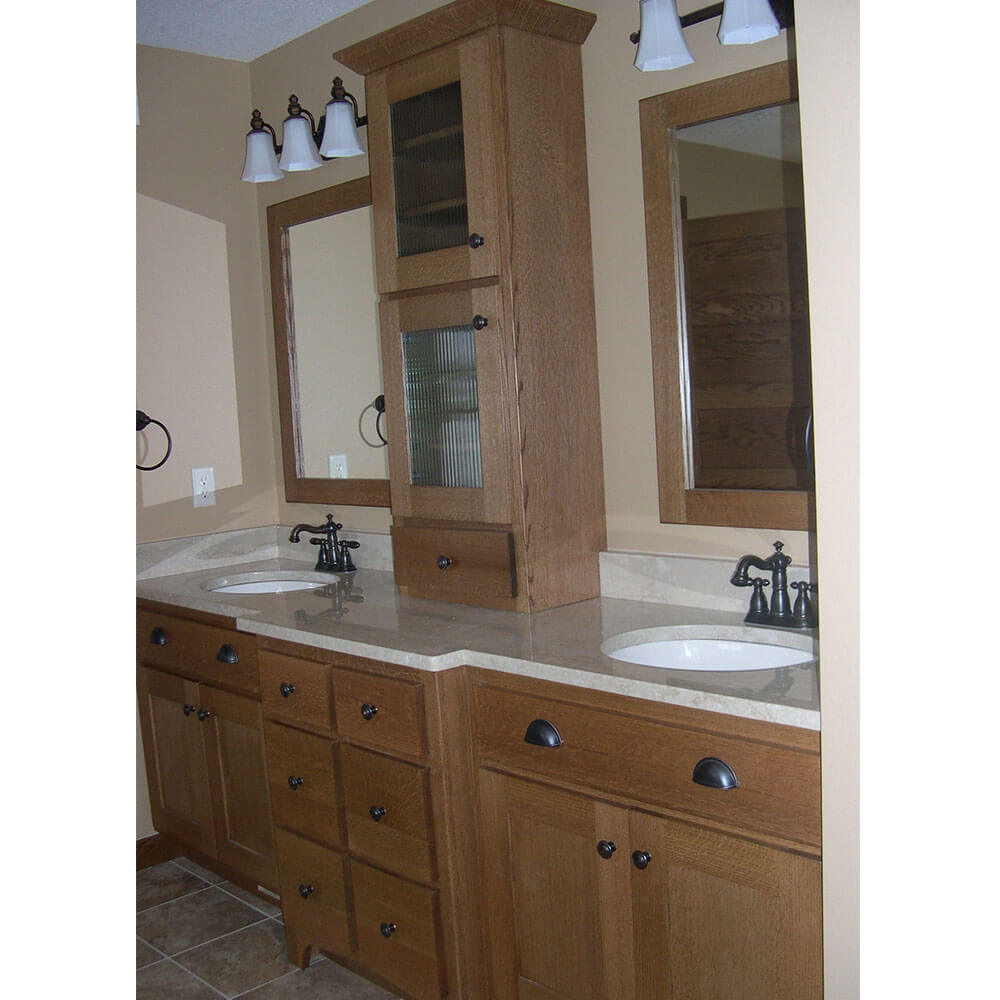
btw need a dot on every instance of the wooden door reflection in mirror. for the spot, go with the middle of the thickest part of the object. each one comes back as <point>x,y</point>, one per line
<point>327,346</point>
<point>725,242</point>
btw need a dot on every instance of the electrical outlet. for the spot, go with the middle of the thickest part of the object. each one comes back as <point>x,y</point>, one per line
<point>203,487</point>
<point>338,466</point>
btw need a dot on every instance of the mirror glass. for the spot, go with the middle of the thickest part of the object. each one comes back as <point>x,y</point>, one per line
<point>726,255</point>
<point>327,353</point>
<point>746,317</point>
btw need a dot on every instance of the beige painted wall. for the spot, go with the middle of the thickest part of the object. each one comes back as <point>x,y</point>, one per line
<point>195,112</point>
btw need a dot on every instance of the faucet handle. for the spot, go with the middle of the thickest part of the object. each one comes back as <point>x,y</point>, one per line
<point>803,610</point>
<point>758,602</point>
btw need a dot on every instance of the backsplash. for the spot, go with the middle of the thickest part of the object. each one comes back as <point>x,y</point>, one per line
<point>689,581</point>
<point>228,548</point>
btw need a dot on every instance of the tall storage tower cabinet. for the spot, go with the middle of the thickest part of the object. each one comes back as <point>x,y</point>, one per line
<point>483,259</point>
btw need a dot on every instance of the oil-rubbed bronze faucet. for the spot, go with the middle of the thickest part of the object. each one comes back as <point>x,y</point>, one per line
<point>781,613</point>
<point>334,553</point>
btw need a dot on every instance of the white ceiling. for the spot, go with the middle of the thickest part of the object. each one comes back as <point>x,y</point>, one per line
<point>232,29</point>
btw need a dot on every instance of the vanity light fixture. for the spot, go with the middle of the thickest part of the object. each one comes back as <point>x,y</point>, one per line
<point>304,144</point>
<point>661,31</point>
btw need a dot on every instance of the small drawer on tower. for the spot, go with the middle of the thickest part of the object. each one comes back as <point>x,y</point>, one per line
<point>455,564</point>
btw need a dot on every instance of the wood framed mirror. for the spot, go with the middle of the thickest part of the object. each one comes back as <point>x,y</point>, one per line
<point>326,340</point>
<point>728,302</point>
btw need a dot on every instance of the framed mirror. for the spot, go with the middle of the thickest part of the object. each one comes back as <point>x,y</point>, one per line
<point>327,354</point>
<point>728,301</point>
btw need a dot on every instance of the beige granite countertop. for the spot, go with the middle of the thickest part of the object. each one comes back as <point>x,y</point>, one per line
<point>364,614</point>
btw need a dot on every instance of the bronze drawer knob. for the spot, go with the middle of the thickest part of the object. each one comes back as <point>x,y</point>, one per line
<point>294,782</point>
<point>158,637</point>
<point>376,812</point>
<point>606,848</point>
<point>443,562</point>
<point>368,712</point>
<point>188,709</point>
<point>203,714</point>
<point>387,929</point>
<point>475,241</point>
<point>641,858</point>
<point>305,891</point>
<point>227,654</point>
<point>286,690</point>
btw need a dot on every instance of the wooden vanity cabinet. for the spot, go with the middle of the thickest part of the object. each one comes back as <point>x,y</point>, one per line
<point>363,810</point>
<point>483,256</point>
<point>649,889</point>
<point>202,732</point>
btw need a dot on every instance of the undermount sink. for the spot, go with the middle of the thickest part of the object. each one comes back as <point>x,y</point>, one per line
<point>277,582</point>
<point>683,648</point>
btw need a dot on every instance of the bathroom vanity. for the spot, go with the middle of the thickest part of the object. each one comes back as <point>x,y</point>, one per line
<point>464,802</point>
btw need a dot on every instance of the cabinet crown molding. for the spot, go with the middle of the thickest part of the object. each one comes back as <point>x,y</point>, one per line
<point>461,18</point>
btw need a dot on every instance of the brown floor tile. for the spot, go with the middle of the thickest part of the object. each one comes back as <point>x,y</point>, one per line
<point>165,981</point>
<point>323,981</point>
<point>242,960</point>
<point>194,919</point>
<point>258,902</point>
<point>193,866</point>
<point>145,955</point>
<point>162,883</point>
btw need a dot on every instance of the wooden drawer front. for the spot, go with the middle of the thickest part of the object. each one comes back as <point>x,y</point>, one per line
<point>219,656</point>
<point>388,804</point>
<point>296,691</point>
<point>398,931</point>
<point>481,567</point>
<point>305,794</point>
<point>652,762</point>
<point>397,722</point>
<point>313,894</point>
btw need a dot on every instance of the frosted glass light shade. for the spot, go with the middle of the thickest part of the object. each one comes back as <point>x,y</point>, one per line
<point>340,137</point>
<point>298,151</point>
<point>747,21</point>
<point>661,39</point>
<point>260,164</point>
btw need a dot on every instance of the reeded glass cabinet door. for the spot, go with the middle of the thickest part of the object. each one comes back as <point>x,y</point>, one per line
<point>433,167</point>
<point>445,405</point>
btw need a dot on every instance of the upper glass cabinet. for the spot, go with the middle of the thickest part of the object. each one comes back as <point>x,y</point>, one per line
<point>433,163</point>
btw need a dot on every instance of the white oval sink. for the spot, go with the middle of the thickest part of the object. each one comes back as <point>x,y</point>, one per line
<point>693,652</point>
<point>273,582</point>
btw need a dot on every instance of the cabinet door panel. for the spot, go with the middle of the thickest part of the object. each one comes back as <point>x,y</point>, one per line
<point>238,778</point>
<point>722,918</point>
<point>176,762</point>
<point>433,160</point>
<point>455,404</point>
<point>560,913</point>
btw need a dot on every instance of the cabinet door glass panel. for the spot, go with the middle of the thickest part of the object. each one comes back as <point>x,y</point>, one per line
<point>429,171</point>
<point>442,407</point>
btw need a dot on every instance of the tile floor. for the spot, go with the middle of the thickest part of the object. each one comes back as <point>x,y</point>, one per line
<point>199,937</point>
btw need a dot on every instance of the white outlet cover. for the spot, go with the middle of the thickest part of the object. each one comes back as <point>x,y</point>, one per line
<point>203,486</point>
<point>338,466</point>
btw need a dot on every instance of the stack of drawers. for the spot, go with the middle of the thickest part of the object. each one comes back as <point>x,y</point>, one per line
<point>351,799</point>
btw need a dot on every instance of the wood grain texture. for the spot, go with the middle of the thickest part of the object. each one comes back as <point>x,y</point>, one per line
<point>482,569</point>
<point>312,803</point>
<point>309,704</point>
<point>280,218</point>
<point>402,838</point>
<point>410,956</point>
<point>191,649</point>
<point>398,725</point>
<point>320,919</point>
<point>237,774</point>
<point>680,502</point>
<point>463,17</point>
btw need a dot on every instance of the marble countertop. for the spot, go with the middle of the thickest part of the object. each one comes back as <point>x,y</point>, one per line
<point>364,614</point>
